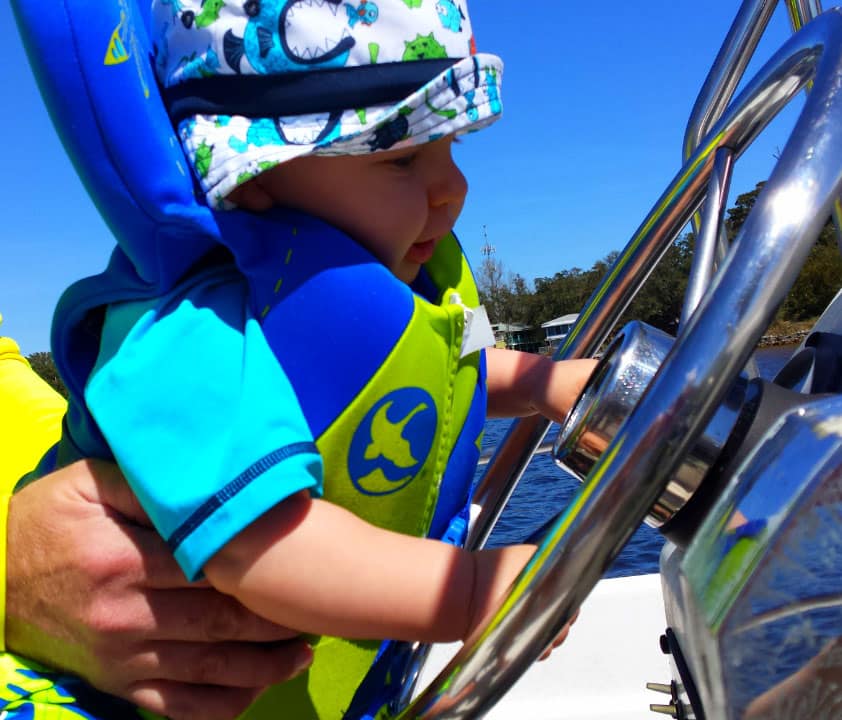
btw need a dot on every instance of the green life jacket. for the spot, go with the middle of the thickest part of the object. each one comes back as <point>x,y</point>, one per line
<point>399,418</point>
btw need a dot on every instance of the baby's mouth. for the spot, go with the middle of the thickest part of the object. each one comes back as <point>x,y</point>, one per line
<point>421,252</point>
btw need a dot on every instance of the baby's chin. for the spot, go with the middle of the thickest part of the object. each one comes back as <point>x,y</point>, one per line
<point>407,272</point>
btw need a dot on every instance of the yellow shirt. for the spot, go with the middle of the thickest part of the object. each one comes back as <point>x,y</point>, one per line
<point>30,415</point>
<point>30,423</point>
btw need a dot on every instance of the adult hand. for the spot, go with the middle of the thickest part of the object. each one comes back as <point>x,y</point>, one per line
<point>93,590</point>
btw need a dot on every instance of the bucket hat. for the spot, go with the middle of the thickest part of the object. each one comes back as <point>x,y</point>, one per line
<point>253,83</point>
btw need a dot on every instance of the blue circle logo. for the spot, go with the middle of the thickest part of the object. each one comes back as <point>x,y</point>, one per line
<point>392,442</point>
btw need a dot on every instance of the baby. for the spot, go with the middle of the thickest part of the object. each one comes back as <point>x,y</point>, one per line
<point>300,413</point>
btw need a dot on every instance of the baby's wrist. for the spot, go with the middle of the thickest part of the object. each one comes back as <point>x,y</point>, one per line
<point>495,572</point>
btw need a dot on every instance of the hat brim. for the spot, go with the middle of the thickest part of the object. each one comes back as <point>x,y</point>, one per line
<point>226,151</point>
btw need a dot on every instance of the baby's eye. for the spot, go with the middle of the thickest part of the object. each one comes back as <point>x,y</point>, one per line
<point>403,161</point>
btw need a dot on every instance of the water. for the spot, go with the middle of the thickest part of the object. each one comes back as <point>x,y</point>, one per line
<point>545,490</point>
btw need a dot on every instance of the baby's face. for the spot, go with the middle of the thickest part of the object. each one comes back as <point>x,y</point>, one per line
<point>397,204</point>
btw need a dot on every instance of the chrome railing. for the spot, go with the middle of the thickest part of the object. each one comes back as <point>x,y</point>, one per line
<point>800,13</point>
<point>712,346</point>
<point>717,90</point>
<point>524,436</point>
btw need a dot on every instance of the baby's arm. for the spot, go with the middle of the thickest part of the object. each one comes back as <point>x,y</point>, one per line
<point>315,566</point>
<point>522,384</point>
<point>318,568</point>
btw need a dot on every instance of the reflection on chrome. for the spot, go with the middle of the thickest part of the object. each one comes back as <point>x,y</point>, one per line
<point>613,391</point>
<point>763,579</point>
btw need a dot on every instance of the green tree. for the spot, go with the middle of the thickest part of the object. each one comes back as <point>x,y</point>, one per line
<point>660,301</point>
<point>567,291</point>
<point>506,297</point>
<point>818,282</point>
<point>737,215</point>
<point>820,277</point>
<point>519,298</point>
<point>42,363</point>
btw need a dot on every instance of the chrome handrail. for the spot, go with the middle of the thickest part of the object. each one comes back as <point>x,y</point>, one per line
<point>727,70</point>
<point>711,242</point>
<point>606,305</point>
<point>525,435</point>
<point>708,353</point>
<point>800,13</point>
<point>717,90</point>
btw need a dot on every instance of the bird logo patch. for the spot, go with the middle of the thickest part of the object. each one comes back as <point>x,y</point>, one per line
<point>391,444</point>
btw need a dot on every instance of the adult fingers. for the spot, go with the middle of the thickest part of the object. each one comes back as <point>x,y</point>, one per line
<point>198,697</point>
<point>236,665</point>
<point>134,607</point>
<point>157,566</point>
<point>102,484</point>
<point>204,615</point>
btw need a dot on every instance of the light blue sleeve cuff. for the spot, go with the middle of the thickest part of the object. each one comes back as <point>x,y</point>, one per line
<point>266,483</point>
<point>199,414</point>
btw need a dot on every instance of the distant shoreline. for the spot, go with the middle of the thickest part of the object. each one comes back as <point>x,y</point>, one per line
<point>787,332</point>
<point>793,338</point>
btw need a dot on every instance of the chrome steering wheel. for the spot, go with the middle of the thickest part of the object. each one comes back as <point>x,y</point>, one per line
<point>711,349</point>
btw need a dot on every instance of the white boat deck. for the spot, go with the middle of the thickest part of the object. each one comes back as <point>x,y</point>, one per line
<point>602,669</point>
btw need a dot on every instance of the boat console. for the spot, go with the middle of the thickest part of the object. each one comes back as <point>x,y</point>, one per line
<point>752,572</point>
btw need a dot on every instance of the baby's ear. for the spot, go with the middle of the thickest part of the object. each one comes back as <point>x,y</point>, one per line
<point>251,196</point>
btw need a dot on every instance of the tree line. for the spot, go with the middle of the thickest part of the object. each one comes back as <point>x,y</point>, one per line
<point>509,300</point>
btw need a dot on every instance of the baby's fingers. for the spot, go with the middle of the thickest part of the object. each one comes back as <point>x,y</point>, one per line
<point>560,638</point>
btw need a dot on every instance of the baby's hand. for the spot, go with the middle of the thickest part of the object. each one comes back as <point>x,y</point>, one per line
<point>565,383</point>
<point>521,384</point>
<point>560,638</point>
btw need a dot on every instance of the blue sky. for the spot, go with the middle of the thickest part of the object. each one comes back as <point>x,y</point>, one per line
<point>596,99</point>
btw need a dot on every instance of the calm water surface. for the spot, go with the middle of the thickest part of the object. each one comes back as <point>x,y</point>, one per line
<point>545,490</point>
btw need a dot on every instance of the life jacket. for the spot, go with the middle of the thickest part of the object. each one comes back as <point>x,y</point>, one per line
<point>397,411</point>
<point>91,61</point>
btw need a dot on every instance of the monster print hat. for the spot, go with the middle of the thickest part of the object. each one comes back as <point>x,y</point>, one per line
<point>253,83</point>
